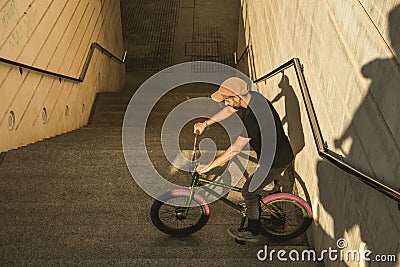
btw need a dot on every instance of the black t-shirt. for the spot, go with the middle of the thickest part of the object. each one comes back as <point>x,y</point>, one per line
<point>259,105</point>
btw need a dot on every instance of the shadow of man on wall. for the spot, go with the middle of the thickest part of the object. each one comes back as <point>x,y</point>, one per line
<point>352,204</point>
<point>295,133</point>
<point>292,117</point>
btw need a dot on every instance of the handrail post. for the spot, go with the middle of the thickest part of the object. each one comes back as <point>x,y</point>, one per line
<point>124,57</point>
<point>87,62</point>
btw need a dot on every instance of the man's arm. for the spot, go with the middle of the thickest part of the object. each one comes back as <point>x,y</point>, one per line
<point>219,116</point>
<point>232,151</point>
<point>277,97</point>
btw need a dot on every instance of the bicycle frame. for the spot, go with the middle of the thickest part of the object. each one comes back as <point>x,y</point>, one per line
<point>199,179</point>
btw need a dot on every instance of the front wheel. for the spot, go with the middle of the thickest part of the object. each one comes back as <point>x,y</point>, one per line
<point>171,217</point>
<point>284,216</point>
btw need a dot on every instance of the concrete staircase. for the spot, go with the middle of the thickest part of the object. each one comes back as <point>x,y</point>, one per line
<point>70,200</point>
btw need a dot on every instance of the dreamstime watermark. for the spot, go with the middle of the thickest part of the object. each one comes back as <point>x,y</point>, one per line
<point>146,97</point>
<point>340,253</point>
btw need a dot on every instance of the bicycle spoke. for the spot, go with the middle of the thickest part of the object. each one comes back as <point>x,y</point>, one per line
<point>169,216</point>
<point>283,217</point>
<point>178,220</point>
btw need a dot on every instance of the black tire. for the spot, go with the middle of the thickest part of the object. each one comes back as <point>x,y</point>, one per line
<point>169,220</point>
<point>293,216</point>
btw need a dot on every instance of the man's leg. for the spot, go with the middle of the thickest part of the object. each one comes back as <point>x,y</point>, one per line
<point>253,207</point>
<point>252,201</point>
<point>288,182</point>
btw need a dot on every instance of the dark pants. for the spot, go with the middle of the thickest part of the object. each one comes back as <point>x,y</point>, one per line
<point>251,198</point>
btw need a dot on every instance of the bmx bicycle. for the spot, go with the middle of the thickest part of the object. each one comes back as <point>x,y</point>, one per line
<point>182,212</point>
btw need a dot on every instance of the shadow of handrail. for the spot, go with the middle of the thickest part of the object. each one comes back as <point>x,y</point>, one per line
<point>322,146</point>
<point>66,77</point>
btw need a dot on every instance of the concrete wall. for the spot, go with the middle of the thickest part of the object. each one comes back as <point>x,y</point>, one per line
<point>55,36</point>
<point>350,50</point>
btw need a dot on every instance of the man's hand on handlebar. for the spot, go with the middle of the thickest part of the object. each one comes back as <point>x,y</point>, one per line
<point>201,126</point>
<point>203,168</point>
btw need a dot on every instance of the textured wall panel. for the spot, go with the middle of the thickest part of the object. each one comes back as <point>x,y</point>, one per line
<point>350,52</point>
<point>56,36</point>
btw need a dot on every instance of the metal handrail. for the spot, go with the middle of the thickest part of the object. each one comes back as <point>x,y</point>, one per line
<point>237,61</point>
<point>66,77</point>
<point>322,146</point>
<point>247,51</point>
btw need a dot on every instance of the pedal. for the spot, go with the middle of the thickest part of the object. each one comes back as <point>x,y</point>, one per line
<point>240,242</point>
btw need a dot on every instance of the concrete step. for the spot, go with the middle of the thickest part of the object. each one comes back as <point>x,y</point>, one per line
<point>123,255</point>
<point>157,262</point>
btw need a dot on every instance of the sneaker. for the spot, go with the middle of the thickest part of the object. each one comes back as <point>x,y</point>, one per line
<point>243,235</point>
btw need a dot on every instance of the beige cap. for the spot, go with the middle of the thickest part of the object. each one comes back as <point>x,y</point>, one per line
<point>230,87</point>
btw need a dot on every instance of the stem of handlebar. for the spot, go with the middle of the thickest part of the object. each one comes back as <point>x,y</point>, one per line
<point>196,138</point>
<point>194,153</point>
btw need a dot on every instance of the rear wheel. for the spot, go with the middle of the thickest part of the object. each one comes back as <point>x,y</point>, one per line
<point>169,215</point>
<point>284,216</point>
